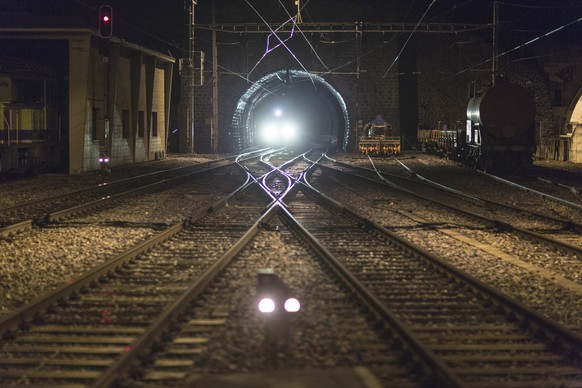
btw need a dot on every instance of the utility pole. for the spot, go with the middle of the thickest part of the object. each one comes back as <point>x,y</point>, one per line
<point>214,122</point>
<point>495,62</point>
<point>191,78</point>
<point>187,83</point>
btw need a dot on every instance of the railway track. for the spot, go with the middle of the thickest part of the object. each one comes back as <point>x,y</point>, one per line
<point>537,273</point>
<point>183,304</point>
<point>24,216</point>
<point>463,333</point>
<point>483,337</point>
<point>136,282</point>
<point>480,336</point>
<point>178,355</point>
<point>209,336</point>
<point>547,184</point>
<point>562,233</point>
<point>73,334</point>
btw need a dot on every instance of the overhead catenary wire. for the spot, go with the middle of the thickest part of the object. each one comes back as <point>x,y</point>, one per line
<point>304,37</point>
<point>176,47</point>
<point>269,48</point>
<point>522,45</point>
<point>538,6</point>
<point>408,39</point>
<point>280,40</point>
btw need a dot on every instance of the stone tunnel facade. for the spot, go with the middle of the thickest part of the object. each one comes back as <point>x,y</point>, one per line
<point>410,82</point>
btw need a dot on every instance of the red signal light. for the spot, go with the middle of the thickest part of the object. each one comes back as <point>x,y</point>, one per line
<point>105,21</point>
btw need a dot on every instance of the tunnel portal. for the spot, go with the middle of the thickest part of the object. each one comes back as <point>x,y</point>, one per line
<point>291,107</point>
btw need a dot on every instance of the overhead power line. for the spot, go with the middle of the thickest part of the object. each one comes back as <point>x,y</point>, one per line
<point>409,36</point>
<point>523,45</point>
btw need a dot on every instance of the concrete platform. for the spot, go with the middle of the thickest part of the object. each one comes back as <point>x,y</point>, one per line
<point>358,377</point>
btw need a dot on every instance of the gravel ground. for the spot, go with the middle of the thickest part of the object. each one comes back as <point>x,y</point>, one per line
<point>329,332</point>
<point>35,262</point>
<point>550,299</point>
<point>29,188</point>
<point>460,177</point>
<point>39,260</point>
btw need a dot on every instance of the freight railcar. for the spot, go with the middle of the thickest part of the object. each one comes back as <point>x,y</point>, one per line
<point>378,139</point>
<point>442,141</point>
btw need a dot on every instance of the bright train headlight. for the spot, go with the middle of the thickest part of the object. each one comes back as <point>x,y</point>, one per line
<point>289,131</point>
<point>269,132</point>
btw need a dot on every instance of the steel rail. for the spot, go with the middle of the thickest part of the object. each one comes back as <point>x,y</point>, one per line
<point>571,189</point>
<point>244,156</point>
<point>567,223</point>
<point>446,376</point>
<point>496,223</point>
<point>58,215</point>
<point>570,342</point>
<point>102,185</point>
<point>536,192</point>
<point>140,346</point>
<point>23,315</point>
<point>55,216</point>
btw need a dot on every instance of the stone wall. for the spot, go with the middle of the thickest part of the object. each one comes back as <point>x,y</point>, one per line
<point>365,70</point>
<point>366,93</point>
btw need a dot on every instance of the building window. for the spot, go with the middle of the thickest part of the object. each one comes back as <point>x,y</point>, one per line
<point>140,123</point>
<point>125,123</point>
<point>94,123</point>
<point>155,124</point>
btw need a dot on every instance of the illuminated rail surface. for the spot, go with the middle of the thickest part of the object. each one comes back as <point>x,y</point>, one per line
<point>49,209</point>
<point>128,309</point>
<point>480,335</point>
<point>561,231</point>
<point>131,284</point>
<point>89,327</point>
<point>552,191</point>
<point>552,265</point>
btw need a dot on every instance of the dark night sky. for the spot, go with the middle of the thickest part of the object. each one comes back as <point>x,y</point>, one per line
<point>160,24</point>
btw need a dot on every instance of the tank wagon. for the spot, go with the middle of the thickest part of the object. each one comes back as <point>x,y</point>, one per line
<point>499,131</point>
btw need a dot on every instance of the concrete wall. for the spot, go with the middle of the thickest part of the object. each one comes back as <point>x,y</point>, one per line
<point>121,148</point>
<point>91,65</point>
<point>79,81</point>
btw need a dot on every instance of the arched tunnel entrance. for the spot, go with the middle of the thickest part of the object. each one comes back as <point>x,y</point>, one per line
<point>290,107</point>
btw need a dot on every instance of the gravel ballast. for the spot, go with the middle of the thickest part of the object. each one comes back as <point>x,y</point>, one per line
<point>36,261</point>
